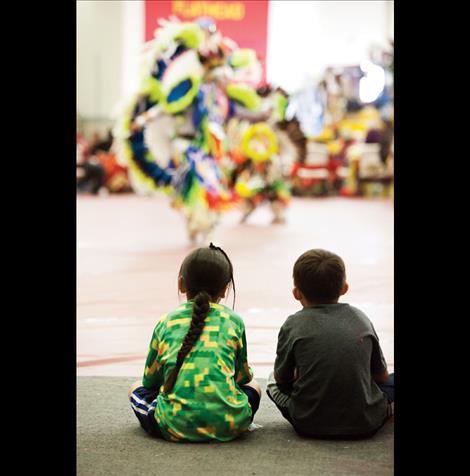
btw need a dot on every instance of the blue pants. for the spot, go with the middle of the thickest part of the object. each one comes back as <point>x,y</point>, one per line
<point>388,388</point>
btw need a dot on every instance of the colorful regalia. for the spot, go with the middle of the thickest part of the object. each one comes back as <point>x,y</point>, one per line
<point>198,117</point>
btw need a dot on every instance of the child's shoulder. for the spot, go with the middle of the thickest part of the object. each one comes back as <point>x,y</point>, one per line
<point>225,311</point>
<point>307,313</point>
<point>184,308</point>
<point>358,313</point>
<point>182,311</point>
<point>362,321</point>
<point>294,319</point>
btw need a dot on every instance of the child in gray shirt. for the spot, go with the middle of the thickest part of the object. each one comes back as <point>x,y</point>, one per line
<point>330,377</point>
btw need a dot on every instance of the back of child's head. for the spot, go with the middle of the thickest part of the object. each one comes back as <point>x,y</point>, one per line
<point>206,270</point>
<point>205,273</point>
<point>319,275</point>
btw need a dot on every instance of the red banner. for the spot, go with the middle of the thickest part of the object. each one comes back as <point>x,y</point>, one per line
<point>244,21</point>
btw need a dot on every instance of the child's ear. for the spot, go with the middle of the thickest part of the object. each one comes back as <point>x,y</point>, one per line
<point>297,294</point>
<point>344,289</point>
<point>181,286</point>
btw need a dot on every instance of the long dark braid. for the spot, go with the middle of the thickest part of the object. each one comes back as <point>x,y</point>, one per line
<point>204,276</point>
<point>200,311</point>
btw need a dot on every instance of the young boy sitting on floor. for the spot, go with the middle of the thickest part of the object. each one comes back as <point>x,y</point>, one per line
<point>330,377</point>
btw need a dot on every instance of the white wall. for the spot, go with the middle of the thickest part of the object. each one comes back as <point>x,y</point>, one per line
<point>133,28</point>
<point>99,56</point>
<point>304,37</point>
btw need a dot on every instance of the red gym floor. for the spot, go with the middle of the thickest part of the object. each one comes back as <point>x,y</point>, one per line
<point>129,249</point>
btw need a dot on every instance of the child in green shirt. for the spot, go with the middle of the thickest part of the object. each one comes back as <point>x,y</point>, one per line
<point>197,384</point>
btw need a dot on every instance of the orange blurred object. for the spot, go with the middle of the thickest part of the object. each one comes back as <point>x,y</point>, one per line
<point>116,175</point>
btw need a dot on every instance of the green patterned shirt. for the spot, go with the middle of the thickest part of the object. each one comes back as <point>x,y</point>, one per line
<point>206,402</point>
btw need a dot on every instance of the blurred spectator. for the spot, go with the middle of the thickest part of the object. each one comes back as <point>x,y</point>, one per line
<point>90,173</point>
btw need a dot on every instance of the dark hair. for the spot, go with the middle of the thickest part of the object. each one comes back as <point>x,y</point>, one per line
<point>319,275</point>
<point>205,272</point>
